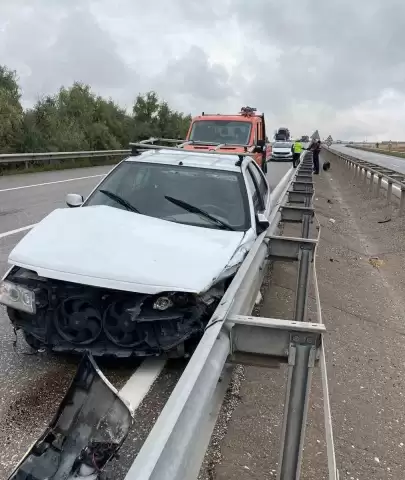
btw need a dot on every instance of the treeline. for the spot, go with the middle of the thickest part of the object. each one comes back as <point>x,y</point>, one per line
<point>77,119</point>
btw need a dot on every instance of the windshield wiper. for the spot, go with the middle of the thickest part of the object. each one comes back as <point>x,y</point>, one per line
<point>120,200</point>
<point>192,209</point>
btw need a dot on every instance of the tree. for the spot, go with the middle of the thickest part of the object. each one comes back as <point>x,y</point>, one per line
<point>154,118</point>
<point>77,119</point>
<point>11,112</point>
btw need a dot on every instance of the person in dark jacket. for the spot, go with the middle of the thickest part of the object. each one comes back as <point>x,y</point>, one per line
<point>315,148</point>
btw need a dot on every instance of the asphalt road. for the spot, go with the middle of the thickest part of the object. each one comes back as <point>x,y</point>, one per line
<point>31,386</point>
<point>388,161</point>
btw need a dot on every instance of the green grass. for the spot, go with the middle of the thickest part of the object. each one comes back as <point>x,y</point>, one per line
<point>377,150</point>
<point>19,169</point>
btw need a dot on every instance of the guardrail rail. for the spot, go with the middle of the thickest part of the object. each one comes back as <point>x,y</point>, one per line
<point>176,445</point>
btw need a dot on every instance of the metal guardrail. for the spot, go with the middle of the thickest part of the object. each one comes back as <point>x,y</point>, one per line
<point>375,173</point>
<point>11,158</point>
<point>176,445</point>
<point>7,158</point>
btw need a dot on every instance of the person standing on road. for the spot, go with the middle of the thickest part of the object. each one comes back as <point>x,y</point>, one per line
<point>315,148</point>
<point>296,151</point>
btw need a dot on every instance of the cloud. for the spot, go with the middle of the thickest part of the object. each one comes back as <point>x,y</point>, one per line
<point>336,66</point>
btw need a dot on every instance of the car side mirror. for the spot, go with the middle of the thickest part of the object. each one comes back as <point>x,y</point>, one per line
<point>74,200</point>
<point>262,223</point>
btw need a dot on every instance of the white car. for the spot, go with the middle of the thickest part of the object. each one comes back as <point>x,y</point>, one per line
<point>282,151</point>
<point>140,266</point>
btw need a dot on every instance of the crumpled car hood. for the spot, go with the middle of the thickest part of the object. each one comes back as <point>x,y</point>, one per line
<point>112,248</point>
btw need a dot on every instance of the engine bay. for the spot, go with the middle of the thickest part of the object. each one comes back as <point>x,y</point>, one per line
<point>70,317</point>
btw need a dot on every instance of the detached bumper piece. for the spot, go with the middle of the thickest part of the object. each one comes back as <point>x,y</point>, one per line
<point>87,431</point>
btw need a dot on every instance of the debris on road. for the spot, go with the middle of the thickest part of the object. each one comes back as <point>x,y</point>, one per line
<point>87,431</point>
<point>376,262</point>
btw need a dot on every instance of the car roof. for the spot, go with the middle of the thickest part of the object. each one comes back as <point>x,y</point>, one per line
<point>189,159</point>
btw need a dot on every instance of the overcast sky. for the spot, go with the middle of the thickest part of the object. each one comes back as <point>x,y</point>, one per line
<point>333,65</point>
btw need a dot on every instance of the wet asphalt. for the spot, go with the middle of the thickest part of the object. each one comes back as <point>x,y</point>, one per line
<point>388,161</point>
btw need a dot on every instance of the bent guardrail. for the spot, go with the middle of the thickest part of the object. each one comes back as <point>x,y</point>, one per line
<point>374,177</point>
<point>175,447</point>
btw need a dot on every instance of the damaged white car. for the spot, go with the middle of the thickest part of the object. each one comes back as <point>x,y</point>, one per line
<point>139,268</point>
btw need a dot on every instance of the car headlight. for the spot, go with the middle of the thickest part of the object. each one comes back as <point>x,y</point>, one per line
<point>17,296</point>
<point>162,303</point>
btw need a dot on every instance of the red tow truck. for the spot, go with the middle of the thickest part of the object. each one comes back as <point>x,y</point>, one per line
<point>243,132</point>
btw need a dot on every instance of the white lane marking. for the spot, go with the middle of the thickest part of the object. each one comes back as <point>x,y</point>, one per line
<point>141,381</point>
<point>17,230</point>
<point>52,183</point>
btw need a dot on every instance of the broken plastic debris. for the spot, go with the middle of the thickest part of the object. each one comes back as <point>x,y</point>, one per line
<point>376,262</point>
<point>332,220</point>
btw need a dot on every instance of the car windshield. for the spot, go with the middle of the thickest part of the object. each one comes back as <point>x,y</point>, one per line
<point>221,131</point>
<point>282,145</point>
<point>193,196</point>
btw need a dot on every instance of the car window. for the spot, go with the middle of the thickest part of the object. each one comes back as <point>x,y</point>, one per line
<point>261,182</point>
<point>145,186</point>
<point>221,131</point>
<point>254,192</point>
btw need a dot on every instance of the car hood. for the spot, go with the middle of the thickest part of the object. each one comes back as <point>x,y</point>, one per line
<point>112,248</point>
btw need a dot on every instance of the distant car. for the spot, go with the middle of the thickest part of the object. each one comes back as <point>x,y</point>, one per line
<point>139,268</point>
<point>281,151</point>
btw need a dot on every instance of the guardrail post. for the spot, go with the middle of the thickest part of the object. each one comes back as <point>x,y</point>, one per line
<point>365,176</point>
<point>379,185</point>
<point>389,192</point>
<point>301,361</point>
<point>402,202</point>
<point>371,182</point>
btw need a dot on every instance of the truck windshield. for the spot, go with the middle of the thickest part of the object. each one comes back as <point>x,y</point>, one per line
<point>177,194</point>
<point>221,131</point>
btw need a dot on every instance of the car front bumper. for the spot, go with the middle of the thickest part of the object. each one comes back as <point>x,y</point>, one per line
<point>281,158</point>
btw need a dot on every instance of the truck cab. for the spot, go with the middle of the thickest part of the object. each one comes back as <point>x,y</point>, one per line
<point>282,134</point>
<point>243,132</point>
